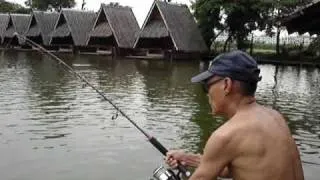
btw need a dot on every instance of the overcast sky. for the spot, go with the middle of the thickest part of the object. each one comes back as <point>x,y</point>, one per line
<point>140,7</point>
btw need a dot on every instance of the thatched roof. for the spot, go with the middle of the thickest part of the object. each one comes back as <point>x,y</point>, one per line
<point>119,22</point>
<point>76,23</point>
<point>42,24</point>
<point>179,24</point>
<point>102,30</point>
<point>17,23</point>
<point>4,20</point>
<point>304,19</point>
<point>33,28</point>
<point>62,31</point>
<point>155,29</point>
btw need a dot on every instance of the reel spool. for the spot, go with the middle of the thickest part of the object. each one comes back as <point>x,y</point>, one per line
<point>162,173</point>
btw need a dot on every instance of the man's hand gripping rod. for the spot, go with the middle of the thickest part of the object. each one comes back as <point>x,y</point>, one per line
<point>151,139</point>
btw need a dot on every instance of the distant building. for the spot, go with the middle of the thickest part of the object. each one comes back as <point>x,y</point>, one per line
<point>72,28</point>
<point>40,26</point>
<point>115,27</point>
<point>170,27</point>
<point>18,23</point>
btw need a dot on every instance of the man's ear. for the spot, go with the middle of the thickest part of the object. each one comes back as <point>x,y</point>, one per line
<point>227,86</point>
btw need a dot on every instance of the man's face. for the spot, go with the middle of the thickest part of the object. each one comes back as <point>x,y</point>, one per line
<point>214,87</point>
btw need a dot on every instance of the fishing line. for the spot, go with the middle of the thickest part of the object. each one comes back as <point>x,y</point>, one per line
<point>150,138</point>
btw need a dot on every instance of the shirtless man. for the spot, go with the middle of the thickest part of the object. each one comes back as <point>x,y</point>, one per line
<point>255,143</point>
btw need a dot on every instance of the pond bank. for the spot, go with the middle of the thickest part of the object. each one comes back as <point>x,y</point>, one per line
<point>260,58</point>
<point>288,62</point>
<point>273,59</point>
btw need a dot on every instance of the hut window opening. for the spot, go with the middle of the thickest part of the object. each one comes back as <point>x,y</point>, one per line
<point>62,20</point>
<point>155,15</point>
<point>102,19</point>
<point>33,22</point>
<point>10,24</point>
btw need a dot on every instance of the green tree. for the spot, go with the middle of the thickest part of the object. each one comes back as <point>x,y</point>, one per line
<point>244,17</point>
<point>208,17</point>
<point>239,18</point>
<point>46,4</point>
<point>280,9</point>
<point>7,7</point>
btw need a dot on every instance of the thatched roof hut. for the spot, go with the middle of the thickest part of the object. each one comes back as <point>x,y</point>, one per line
<point>170,26</point>
<point>40,26</point>
<point>304,19</point>
<point>73,28</point>
<point>4,19</point>
<point>114,26</point>
<point>17,23</point>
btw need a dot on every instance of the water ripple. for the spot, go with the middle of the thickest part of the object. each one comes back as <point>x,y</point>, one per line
<point>48,115</point>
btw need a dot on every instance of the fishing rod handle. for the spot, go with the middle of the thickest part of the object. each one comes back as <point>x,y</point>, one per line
<point>164,151</point>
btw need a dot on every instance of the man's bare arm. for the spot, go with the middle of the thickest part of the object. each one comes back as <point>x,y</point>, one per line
<point>192,160</point>
<point>217,155</point>
<point>225,173</point>
<point>186,159</point>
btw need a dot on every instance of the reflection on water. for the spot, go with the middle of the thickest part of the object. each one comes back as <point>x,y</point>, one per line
<point>54,127</point>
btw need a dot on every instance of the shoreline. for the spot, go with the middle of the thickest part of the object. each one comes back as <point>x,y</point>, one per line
<point>260,58</point>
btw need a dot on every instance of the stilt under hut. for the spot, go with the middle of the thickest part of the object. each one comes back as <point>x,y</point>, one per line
<point>17,23</point>
<point>40,26</point>
<point>4,19</point>
<point>72,30</point>
<point>115,30</point>
<point>170,31</point>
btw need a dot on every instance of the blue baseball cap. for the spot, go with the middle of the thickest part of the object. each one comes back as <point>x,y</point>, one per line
<point>236,65</point>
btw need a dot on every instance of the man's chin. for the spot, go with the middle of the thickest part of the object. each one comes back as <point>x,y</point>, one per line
<point>215,112</point>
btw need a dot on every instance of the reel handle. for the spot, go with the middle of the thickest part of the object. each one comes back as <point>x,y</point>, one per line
<point>164,151</point>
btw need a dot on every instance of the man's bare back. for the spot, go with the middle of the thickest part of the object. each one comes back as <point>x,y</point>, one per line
<point>255,143</point>
<point>262,141</point>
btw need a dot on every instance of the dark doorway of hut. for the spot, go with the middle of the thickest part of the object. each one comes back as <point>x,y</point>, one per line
<point>14,43</point>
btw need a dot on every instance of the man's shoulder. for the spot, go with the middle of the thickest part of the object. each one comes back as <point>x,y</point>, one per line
<point>272,112</point>
<point>244,121</point>
<point>225,136</point>
<point>257,112</point>
<point>222,136</point>
<point>227,131</point>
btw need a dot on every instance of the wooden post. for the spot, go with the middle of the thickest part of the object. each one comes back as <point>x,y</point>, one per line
<point>74,49</point>
<point>251,45</point>
<point>171,54</point>
<point>114,52</point>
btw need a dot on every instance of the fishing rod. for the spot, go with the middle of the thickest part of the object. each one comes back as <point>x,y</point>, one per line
<point>158,173</point>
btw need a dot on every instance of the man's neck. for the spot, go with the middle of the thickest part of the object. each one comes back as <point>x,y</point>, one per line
<point>238,104</point>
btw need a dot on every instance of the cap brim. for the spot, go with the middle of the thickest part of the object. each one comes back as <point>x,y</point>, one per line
<point>201,77</point>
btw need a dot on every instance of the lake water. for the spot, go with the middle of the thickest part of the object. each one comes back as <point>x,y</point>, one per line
<point>53,127</point>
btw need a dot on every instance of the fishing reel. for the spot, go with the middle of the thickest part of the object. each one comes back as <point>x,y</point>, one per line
<point>163,173</point>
